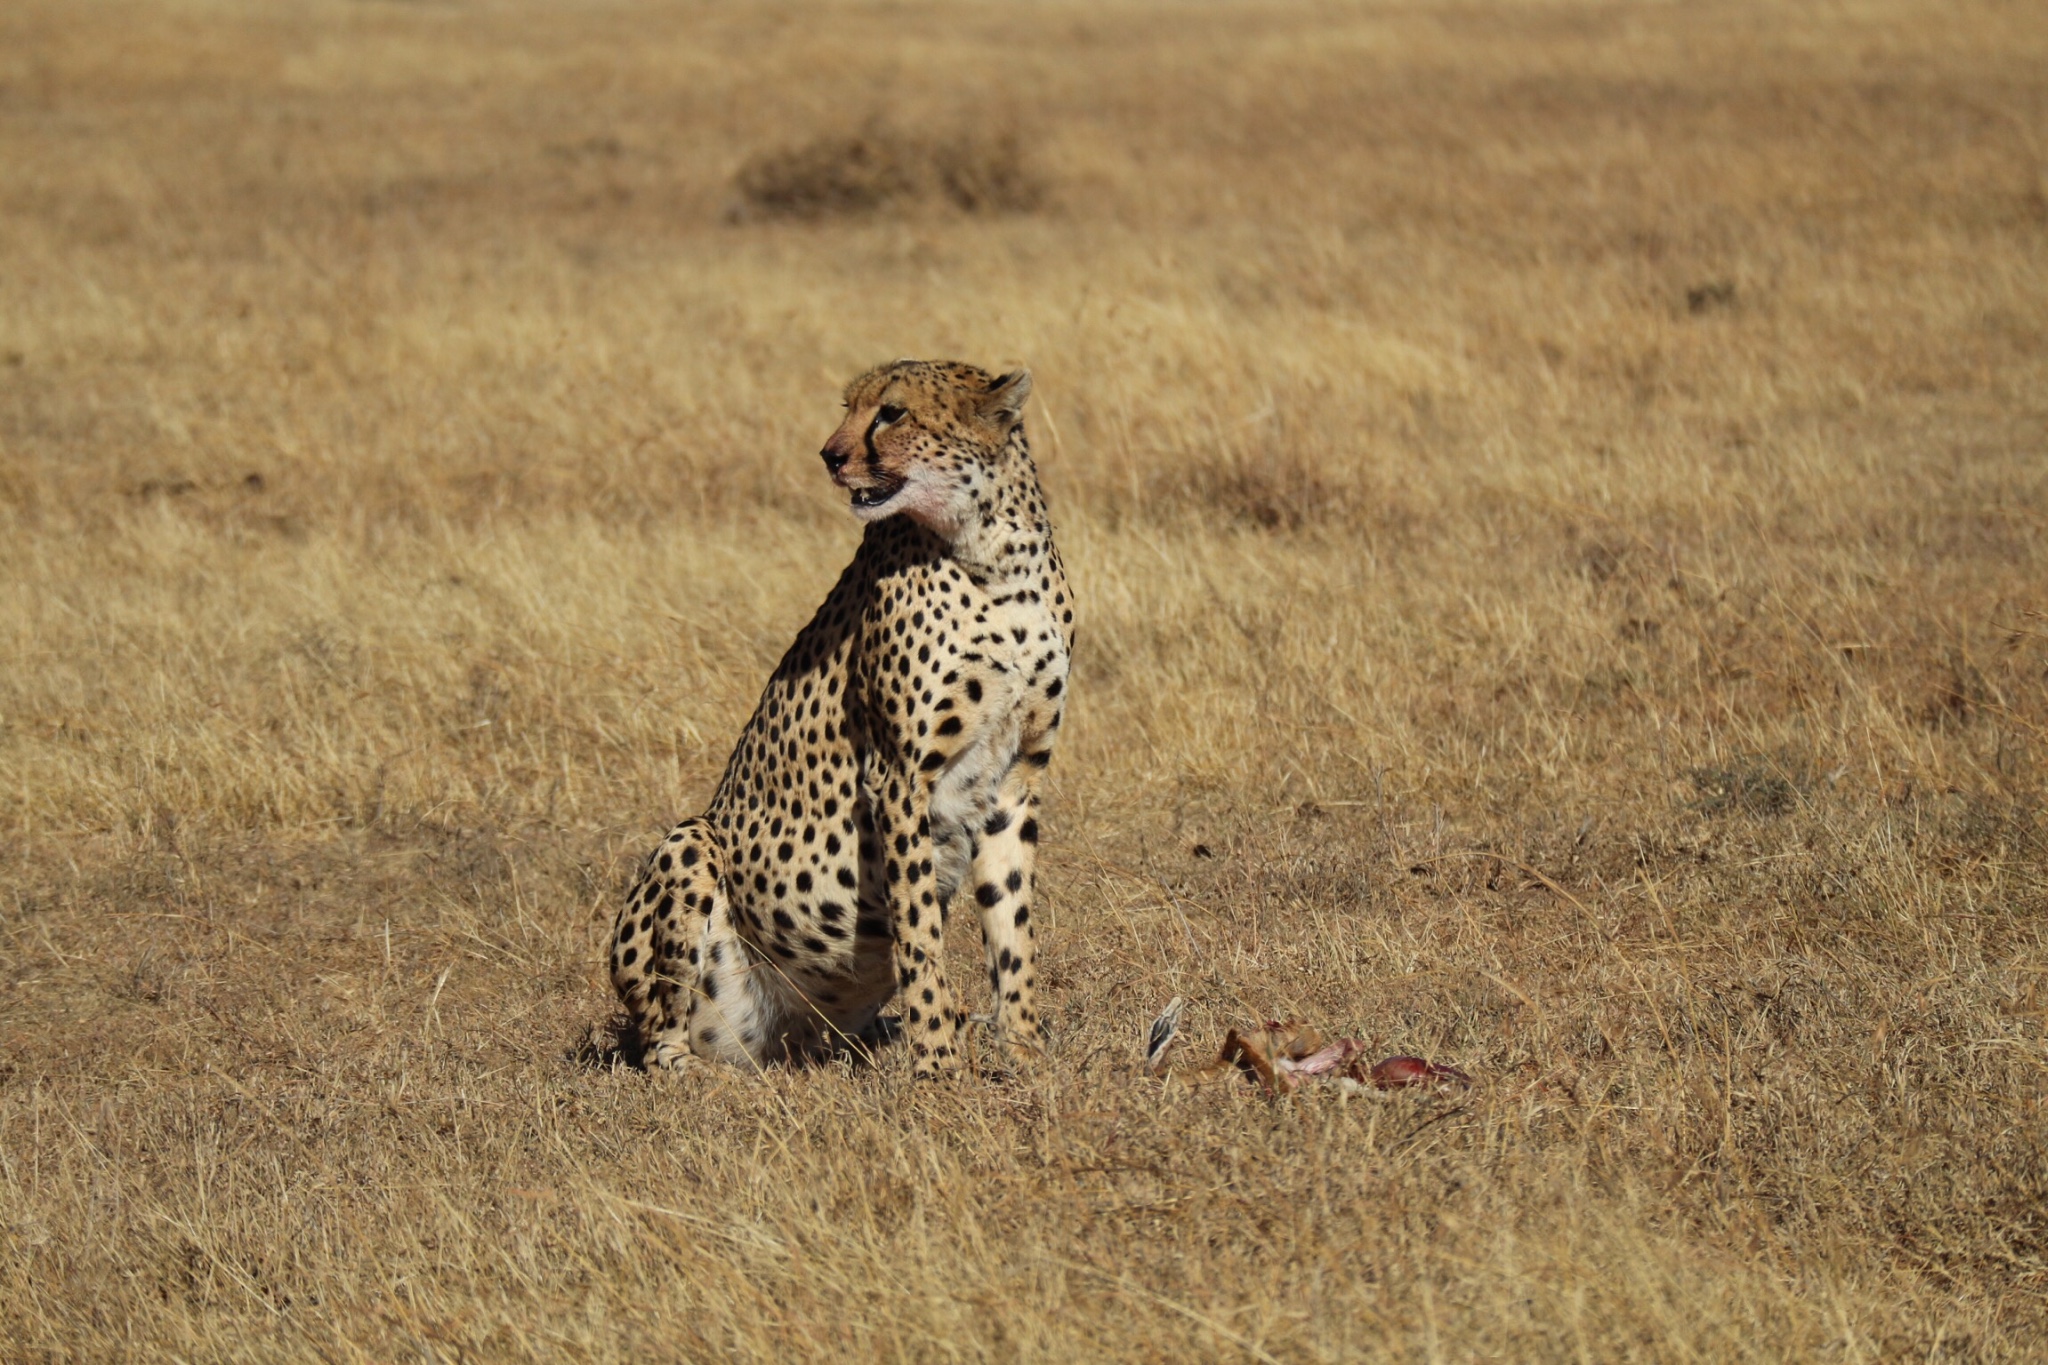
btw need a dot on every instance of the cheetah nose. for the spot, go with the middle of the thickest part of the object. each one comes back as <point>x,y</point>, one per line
<point>834,460</point>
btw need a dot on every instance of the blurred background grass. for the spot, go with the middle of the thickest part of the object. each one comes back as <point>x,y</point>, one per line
<point>1597,439</point>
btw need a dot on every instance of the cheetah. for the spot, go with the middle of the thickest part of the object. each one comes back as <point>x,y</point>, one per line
<point>895,757</point>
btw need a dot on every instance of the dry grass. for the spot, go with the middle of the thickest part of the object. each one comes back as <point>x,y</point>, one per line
<point>1499,448</point>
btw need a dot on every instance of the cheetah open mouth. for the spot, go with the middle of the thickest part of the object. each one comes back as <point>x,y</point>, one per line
<point>876,495</point>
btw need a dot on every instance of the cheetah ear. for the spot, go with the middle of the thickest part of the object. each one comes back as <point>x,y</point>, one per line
<point>1004,400</point>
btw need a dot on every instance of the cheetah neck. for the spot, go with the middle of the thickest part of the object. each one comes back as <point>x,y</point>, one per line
<point>1009,535</point>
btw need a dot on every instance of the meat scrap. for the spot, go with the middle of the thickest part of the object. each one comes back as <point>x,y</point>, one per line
<point>1281,1055</point>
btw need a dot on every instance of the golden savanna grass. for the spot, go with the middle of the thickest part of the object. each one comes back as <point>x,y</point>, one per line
<point>1558,502</point>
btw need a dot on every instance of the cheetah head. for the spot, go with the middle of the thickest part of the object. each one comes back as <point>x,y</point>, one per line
<point>925,439</point>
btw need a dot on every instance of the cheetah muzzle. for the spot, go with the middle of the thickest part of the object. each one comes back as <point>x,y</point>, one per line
<point>894,759</point>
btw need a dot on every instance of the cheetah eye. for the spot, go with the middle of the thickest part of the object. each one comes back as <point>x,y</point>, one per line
<point>889,415</point>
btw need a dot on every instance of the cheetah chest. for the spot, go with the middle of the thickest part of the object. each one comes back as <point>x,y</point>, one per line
<point>1022,679</point>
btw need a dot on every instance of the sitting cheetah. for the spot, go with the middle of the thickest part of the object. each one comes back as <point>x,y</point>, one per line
<point>895,756</point>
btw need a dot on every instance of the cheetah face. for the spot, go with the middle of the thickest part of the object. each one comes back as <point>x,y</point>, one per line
<point>923,439</point>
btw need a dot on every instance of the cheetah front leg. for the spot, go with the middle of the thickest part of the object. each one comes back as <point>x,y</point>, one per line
<point>1002,882</point>
<point>917,925</point>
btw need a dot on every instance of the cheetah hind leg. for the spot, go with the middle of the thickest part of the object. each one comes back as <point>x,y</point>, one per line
<point>657,944</point>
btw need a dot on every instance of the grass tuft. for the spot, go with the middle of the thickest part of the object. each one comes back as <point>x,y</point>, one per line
<point>881,167</point>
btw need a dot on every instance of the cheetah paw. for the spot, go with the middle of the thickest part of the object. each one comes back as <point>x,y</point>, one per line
<point>669,1059</point>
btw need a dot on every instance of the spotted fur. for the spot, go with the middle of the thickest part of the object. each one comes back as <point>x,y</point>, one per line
<point>894,760</point>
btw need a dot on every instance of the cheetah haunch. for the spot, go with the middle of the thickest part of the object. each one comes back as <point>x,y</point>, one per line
<point>894,758</point>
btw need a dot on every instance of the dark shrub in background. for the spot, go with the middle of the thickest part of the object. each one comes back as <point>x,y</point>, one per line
<point>880,167</point>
